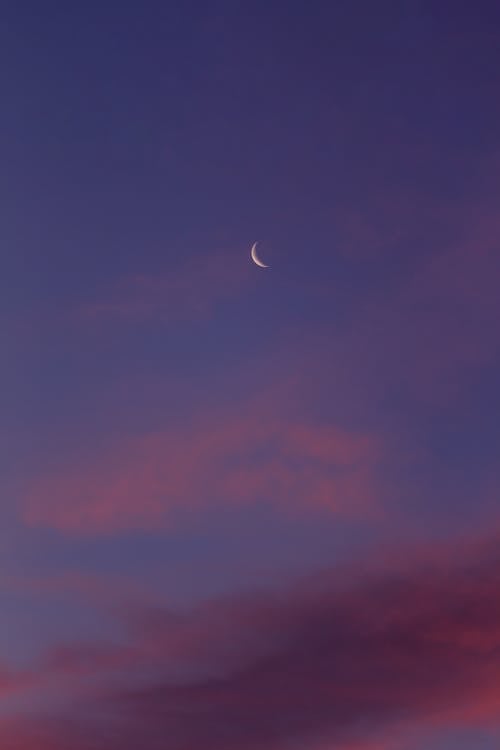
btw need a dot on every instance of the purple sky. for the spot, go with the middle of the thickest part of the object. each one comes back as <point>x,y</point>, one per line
<point>247,508</point>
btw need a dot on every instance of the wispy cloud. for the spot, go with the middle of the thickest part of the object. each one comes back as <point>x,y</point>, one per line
<point>219,460</point>
<point>191,290</point>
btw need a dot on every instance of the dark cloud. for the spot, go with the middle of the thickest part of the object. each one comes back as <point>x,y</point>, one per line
<point>319,663</point>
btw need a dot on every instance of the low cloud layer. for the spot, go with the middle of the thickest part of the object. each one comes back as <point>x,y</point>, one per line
<point>327,663</point>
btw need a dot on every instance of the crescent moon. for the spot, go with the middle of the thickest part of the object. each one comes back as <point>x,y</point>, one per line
<point>255,257</point>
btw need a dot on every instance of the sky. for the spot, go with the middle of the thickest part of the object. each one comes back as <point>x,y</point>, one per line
<point>247,508</point>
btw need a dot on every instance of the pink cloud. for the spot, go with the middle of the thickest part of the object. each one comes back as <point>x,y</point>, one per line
<point>191,290</point>
<point>226,461</point>
<point>8,681</point>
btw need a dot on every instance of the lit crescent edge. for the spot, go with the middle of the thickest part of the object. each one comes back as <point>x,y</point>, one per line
<point>255,257</point>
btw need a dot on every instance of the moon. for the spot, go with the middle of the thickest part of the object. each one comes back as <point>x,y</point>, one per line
<point>255,257</point>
